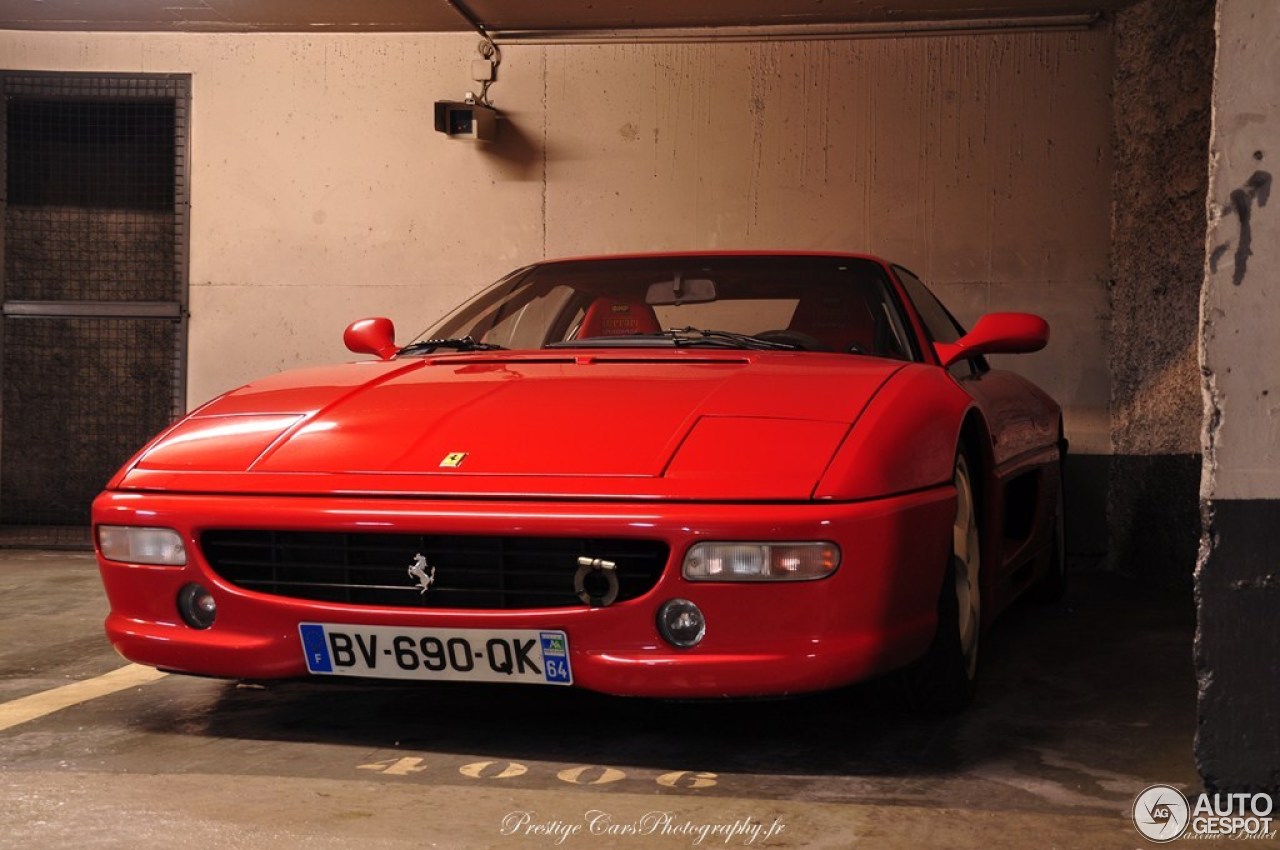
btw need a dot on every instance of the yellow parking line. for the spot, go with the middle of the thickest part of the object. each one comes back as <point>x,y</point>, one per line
<point>38,705</point>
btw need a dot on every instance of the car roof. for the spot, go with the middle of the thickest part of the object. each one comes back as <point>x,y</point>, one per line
<point>657,255</point>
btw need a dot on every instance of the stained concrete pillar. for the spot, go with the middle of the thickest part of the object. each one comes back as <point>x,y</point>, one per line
<point>1161,93</point>
<point>1238,576</point>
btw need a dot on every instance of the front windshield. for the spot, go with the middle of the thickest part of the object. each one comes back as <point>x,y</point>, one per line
<point>810,303</point>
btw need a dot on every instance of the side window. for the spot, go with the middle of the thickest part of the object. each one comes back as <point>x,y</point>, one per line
<point>526,326</point>
<point>940,323</point>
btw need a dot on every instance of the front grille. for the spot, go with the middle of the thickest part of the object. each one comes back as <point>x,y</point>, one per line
<point>470,571</point>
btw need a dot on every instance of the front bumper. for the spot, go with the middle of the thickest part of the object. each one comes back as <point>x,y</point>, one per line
<point>876,613</point>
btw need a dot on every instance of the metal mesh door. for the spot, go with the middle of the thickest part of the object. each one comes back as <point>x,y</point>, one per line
<point>94,290</point>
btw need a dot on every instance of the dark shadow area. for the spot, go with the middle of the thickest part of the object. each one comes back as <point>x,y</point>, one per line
<point>46,537</point>
<point>1154,507</point>
<point>517,154</point>
<point>1103,679</point>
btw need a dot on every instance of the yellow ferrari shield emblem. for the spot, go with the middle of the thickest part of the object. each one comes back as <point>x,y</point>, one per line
<point>453,459</point>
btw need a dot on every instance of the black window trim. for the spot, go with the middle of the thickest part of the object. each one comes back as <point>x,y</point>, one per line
<point>979,365</point>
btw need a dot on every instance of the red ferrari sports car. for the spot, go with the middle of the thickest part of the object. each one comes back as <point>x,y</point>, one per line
<point>677,475</point>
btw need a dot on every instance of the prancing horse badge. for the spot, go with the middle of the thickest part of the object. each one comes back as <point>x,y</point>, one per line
<point>418,570</point>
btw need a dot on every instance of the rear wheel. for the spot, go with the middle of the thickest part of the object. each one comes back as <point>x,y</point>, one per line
<point>943,679</point>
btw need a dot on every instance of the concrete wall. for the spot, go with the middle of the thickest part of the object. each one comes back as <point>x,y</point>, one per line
<point>320,192</point>
<point>1163,86</point>
<point>1238,580</point>
<point>981,163</point>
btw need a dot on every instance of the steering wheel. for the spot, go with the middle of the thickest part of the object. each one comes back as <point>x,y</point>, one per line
<point>801,340</point>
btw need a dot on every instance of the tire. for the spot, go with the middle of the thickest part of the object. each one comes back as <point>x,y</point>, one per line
<point>1052,585</point>
<point>943,680</point>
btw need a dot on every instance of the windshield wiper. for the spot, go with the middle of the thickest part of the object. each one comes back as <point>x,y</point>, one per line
<point>729,339</point>
<point>680,338</point>
<point>465,343</point>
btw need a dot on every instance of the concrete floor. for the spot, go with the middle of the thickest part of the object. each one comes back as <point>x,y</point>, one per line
<point>1083,705</point>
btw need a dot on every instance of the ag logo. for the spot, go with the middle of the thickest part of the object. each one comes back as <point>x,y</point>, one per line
<point>1161,813</point>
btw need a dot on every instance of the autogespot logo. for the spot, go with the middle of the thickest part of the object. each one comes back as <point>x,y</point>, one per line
<point>1161,813</point>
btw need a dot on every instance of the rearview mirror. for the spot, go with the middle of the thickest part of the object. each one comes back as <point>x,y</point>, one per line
<point>682,290</point>
<point>372,336</point>
<point>997,333</point>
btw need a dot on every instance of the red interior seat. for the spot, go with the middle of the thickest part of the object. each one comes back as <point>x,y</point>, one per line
<point>618,317</point>
<point>837,322</point>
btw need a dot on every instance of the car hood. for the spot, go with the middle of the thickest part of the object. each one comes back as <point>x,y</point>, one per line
<point>678,424</point>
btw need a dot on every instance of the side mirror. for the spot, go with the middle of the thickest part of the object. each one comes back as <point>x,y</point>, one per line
<point>997,333</point>
<point>372,336</point>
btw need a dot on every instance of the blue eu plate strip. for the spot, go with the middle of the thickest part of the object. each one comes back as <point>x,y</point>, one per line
<point>317,648</point>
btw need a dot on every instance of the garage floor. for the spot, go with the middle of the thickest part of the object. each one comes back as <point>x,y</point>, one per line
<point>1083,706</point>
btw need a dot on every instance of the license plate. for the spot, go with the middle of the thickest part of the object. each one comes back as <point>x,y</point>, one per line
<point>473,655</point>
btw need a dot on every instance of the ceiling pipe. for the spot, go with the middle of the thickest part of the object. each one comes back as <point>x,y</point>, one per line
<point>802,32</point>
<point>464,12</point>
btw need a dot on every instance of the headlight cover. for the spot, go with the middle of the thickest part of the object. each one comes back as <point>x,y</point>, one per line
<point>761,561</point>
<point>141,545</point>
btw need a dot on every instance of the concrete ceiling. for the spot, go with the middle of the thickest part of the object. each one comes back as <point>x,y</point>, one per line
<point>504,15</point>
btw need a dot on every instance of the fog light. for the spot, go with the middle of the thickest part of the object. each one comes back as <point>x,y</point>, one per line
<point>681,623</point>
<point>197,606</point>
